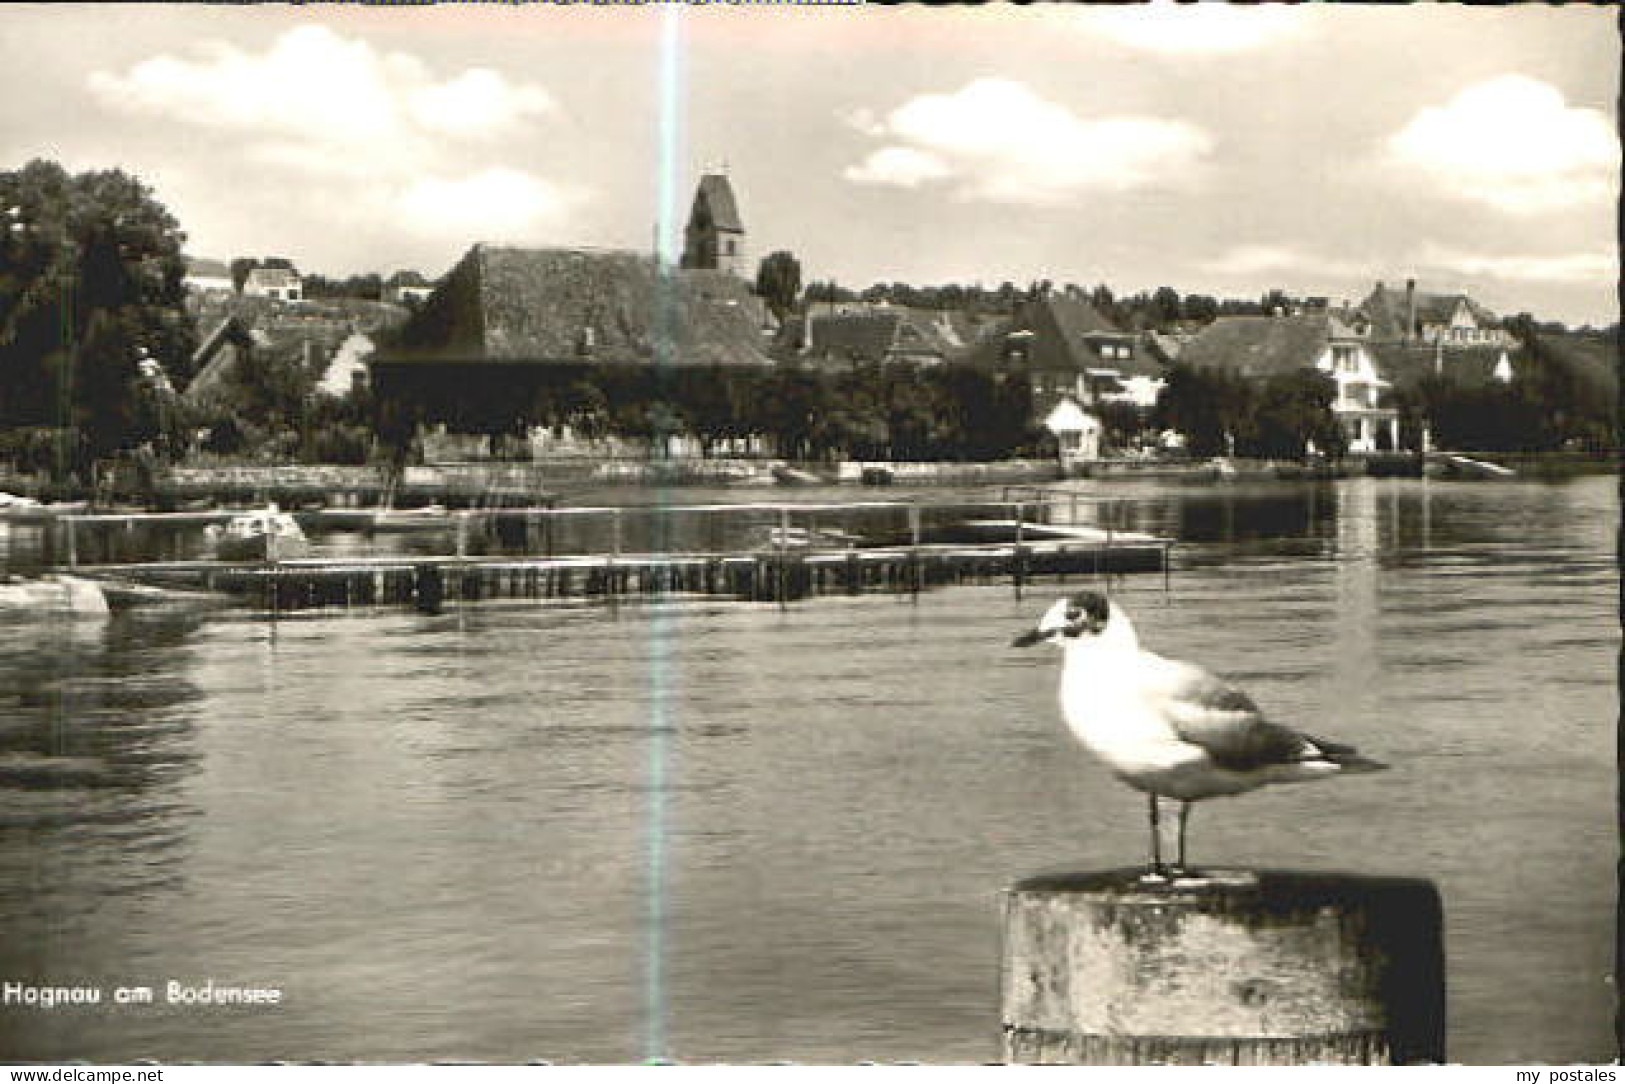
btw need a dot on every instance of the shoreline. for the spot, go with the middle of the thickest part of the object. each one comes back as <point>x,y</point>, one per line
<point>499,483</point>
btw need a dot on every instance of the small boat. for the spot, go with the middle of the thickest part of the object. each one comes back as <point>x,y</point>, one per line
<point>431,517</point>
<point>789,476</point>
<point>53,595</point>
<point>265,534</point>
<point>15,509</point>
<point>805,538</point>
<point>1456,465</point>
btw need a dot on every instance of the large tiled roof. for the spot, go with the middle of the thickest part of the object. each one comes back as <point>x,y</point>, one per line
<point>1258,345</point>
<point>872,336</point>
<point>567,305</point>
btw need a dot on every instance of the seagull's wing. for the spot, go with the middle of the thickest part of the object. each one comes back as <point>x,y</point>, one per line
<point>1208,712</point>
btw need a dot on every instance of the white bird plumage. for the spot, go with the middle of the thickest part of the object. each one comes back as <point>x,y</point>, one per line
<point>1170,728</point>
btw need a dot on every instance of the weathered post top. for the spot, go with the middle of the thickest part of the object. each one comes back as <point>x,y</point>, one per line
<point>1272,967</point>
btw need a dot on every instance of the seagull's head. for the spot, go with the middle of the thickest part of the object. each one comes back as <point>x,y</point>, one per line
<point>1078,618</point>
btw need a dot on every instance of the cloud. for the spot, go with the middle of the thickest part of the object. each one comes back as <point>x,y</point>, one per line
<point>1570,268</point>
<point>996,140</point>
<point>1184,29</point>
<point>348,130</point>
<point>902,166</point>
<point>323,92</point>
<point>493,203</point>
<point>1512,142</point>
<point>1254,260</point>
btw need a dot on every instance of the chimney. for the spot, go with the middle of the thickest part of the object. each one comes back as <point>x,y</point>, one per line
<point>1410,309</point>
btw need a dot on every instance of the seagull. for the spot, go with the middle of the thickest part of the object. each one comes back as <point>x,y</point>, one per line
<point>1171,728</point>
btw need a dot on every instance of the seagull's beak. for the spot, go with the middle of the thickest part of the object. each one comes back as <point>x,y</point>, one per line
<point>1028,638</point>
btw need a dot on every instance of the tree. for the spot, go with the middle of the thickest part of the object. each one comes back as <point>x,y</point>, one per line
<point>778,282</point>
<point>91,283</point>
<point>1165,308</point>
<point>1293,409</point>
<point>1208,406</point>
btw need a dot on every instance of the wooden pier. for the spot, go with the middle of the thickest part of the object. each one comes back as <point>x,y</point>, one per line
<point>750,551</point>
<point>431,582</point>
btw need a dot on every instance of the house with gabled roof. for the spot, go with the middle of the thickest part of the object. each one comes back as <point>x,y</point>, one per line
<point>276,279</point>
<point>1452,320</point>
<point>404,286</point>
<point>207,276</point>
<point>1067,348</point>
<point>507,328</point>
<point>218,356</point>
<point>1258,347</point>
<point>874,335</point>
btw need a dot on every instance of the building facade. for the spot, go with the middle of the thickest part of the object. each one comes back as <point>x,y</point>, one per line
<point>714,239</point>
<point>1413,316</point>
<point>1258,347</point>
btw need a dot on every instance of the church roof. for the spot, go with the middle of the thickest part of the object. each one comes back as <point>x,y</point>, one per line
<point>718,197</point>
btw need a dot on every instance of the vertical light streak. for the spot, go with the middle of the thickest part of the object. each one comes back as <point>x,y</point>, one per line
<point>660,676</point>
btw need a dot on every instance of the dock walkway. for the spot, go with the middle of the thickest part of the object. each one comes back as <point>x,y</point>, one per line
<point>912,547</point>
<point>428,582</point>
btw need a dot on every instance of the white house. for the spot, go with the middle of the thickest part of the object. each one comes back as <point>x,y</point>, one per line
<point>1263,346</point>
<point>208,276</point>
<point>1077,431</point>
<point>1360,388</point>
<point>279,282</point>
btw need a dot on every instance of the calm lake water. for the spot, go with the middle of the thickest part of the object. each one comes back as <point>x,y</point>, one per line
<point>722,831</point>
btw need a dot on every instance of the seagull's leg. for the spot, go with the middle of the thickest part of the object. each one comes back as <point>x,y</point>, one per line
<point>1184,815</point>
<point>1156,838</point>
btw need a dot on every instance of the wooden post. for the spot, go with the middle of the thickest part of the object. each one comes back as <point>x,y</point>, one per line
<point>73,548</point>
<point>914,551</point>
<point>784,543</point>
<point>1017,564</point>
<point>1234,967</point>
<point>429,588</point>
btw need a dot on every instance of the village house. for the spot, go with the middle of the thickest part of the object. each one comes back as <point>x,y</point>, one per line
<point>1257,347</point>
<point>276,279</point>
<point>872,334</point>
<point>217,357</point>
<point>1068,349</point>
<point>405,286</point>
<point>1412,316</point>
<point>204,276</point>
<point>714,239</point>
<point>509,329</point>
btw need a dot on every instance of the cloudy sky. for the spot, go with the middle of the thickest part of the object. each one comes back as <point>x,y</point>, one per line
<point>1317,147</point>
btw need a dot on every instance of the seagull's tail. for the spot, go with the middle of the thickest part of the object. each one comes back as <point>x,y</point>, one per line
<point>1346,757</point>
<point>1355,763</point>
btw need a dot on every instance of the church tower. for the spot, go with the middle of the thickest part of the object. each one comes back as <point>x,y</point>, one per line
<point>715,237</point>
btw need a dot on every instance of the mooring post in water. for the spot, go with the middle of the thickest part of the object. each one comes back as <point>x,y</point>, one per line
<point>914,550</point>
<point>1016,557</point>
<point>428,588</point>
<point>1233,967</point>
<point>784,553</point>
